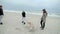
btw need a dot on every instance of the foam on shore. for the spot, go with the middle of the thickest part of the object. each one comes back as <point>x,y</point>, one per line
<point>27,12</point>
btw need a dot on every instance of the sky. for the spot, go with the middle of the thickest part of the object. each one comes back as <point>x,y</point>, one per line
<point>33,5</point>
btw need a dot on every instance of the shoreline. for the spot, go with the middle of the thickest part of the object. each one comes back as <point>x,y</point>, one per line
<point>33,13</point>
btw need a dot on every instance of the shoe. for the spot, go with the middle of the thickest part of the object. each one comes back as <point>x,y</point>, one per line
<point>1,23</point>
<point>42,28</point>
<point>24,23</point>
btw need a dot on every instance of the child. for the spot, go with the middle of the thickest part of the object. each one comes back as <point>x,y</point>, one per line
<point>23,17</point>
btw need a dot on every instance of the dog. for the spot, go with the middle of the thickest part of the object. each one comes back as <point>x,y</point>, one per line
<point>30,26</point>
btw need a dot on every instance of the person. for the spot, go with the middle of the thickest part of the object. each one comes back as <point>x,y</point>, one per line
<point>1,14</point>
<point>43,19</point>
<point>23,17</point>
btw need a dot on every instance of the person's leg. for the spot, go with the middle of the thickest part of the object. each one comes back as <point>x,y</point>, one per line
<point>41,22</point>
<point>1,19</point>
<point>43,26</point>
<point>23,20</point>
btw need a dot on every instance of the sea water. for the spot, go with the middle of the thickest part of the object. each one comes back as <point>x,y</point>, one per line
<point>50,14</point>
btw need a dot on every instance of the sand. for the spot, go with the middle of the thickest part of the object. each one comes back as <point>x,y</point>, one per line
<point>12,24</point>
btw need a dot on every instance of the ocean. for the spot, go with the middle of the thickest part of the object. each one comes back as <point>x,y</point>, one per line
<point>50,14</point>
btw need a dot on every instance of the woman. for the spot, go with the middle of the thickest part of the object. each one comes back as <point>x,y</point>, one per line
<point>43,19</point>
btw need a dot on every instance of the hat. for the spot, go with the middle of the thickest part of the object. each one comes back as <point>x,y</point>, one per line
<point>43,9</point>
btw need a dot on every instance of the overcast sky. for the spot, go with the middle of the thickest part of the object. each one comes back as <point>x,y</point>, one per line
<point>31,4</point>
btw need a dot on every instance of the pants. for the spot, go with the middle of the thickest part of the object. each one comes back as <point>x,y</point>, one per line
<point>1,16</point>
<point>42,24</point>
<point>24,20</point>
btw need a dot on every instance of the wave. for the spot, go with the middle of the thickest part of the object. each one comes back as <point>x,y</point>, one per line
<point>27,12</point>
<point>49,15</point>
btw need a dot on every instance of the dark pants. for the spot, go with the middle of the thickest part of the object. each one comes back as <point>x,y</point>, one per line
<point>42,24</point>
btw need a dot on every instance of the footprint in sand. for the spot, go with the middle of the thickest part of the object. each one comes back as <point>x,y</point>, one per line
<point>17,29</point>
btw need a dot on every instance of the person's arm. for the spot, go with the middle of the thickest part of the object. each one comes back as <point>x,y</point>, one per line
<point>46,13</point>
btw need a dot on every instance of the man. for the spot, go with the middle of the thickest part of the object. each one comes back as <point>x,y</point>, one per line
<point>1,14</point>
<point>23,17</point>
<point>43,19</point>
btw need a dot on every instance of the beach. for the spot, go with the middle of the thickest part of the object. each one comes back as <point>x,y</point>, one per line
<point>12,24</point>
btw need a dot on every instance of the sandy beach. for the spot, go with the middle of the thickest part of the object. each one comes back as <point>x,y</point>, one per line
<point>12,24</point>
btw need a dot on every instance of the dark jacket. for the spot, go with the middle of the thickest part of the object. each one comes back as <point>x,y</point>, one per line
<point>23,14</point>
<point>1,11</point>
